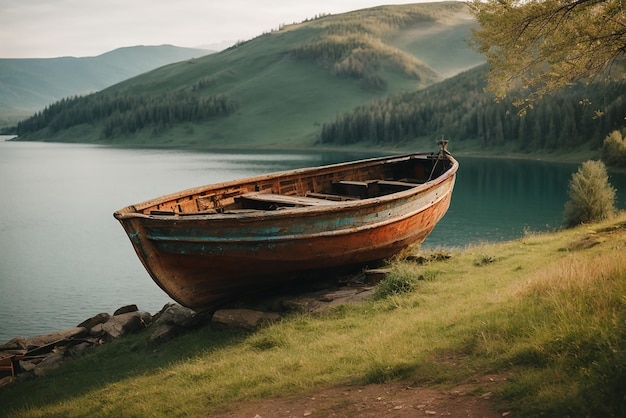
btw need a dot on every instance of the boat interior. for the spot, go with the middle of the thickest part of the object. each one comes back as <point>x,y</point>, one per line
<point>304,188</point>
<point>342,190</point>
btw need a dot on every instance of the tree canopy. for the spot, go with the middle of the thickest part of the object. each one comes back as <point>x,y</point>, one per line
<point>543,45</point>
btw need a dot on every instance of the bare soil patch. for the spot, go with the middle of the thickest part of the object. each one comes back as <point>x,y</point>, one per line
<point>382,400</point>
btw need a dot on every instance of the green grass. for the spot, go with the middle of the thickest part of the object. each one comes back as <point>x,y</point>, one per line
<point>547,311</point>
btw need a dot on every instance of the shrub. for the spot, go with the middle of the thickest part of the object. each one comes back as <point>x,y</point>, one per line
<point>614,150</point>
<point>592,198</point>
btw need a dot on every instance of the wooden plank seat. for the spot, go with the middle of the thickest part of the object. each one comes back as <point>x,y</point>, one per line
<point>371,188</point>
<point>332,197</point>
<point>281,200</point>
<point>358,189</point>
<point>395,184</point>
<point>385,187</point>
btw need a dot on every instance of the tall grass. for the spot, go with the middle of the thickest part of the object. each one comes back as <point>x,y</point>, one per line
<point>574,357</point>
<point>545,312</point>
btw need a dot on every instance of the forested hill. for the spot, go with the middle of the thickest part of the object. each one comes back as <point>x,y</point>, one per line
<point>459,109</point>
<point>30,84</point>
<point>276,89</point>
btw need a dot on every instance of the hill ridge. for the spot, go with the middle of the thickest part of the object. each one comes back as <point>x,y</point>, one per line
<point>29,84</point>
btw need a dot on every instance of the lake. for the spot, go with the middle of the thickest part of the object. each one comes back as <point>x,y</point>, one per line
<point>64,258</point>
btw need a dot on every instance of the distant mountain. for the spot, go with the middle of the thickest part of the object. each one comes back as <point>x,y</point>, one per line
<point>28,85</point>
<point>276,89</point>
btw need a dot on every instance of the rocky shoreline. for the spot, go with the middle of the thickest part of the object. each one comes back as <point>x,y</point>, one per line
<point>23,358</point>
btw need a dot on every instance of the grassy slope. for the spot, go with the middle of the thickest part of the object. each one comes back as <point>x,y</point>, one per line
<point>283,100</point>
<point>540,310</point>
<point>442,51</point>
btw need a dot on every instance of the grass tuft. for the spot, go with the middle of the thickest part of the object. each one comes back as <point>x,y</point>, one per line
<point>397,282</point>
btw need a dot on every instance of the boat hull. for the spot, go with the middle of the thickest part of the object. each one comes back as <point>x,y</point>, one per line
<point>201,261</point>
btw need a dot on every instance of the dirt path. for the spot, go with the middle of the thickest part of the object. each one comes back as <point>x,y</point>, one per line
<point>386,400</point>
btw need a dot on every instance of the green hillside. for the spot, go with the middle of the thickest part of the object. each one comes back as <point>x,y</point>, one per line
<point>29,85</point>
<point>274,90</point>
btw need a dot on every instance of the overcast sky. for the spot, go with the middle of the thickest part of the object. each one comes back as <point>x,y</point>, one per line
<point>82,28</point>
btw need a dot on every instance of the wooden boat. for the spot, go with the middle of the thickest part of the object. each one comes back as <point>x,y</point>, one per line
<point>207,245</point>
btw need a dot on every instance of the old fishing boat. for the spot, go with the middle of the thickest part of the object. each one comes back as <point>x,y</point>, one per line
<point>206,245</point>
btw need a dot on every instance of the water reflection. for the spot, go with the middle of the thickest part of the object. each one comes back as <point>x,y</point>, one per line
<point>496,200</point>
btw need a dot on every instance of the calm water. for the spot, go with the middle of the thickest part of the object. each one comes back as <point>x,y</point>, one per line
<point>64,258</point>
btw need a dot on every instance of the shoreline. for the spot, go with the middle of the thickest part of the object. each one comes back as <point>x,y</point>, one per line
<point>466,149</point>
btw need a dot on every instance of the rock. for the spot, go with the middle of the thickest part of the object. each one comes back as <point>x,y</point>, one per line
<point>321,301</point>
<point>26,366</point>
<point>156,316</point>
<point>101,318</point>
<point>16,344</point>
<point>303,304</point>
<point>178,315</point>
<point>122,324</point>
<point>347,296</point>
<point>126,309</point>
<point>243,318</point>
<point>78,349</point>
<point>173,320</point>
<point>51,362</point>
<point>164,332</point>
<point>146,318</point>
<point>42,340</point>
<point>374,276</point>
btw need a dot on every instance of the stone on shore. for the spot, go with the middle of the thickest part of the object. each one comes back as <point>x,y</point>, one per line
<point>173,320</point>
<point>15,344</point>
<point>121,324</point>
<point>51,362</point>
<point>126,309</point>
<point>47,339</point>
<point>243,318</point>
<point>101,318</point>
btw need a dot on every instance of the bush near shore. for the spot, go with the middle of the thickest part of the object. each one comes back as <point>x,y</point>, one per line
<point>545,313</point>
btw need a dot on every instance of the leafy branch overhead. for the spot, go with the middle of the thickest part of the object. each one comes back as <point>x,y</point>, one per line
<point>543,45</point>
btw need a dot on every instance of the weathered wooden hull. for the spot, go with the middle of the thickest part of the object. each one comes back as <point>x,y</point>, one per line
<point>203,259</point>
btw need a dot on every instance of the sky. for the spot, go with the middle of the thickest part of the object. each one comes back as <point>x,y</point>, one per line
<point>86,28</point>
